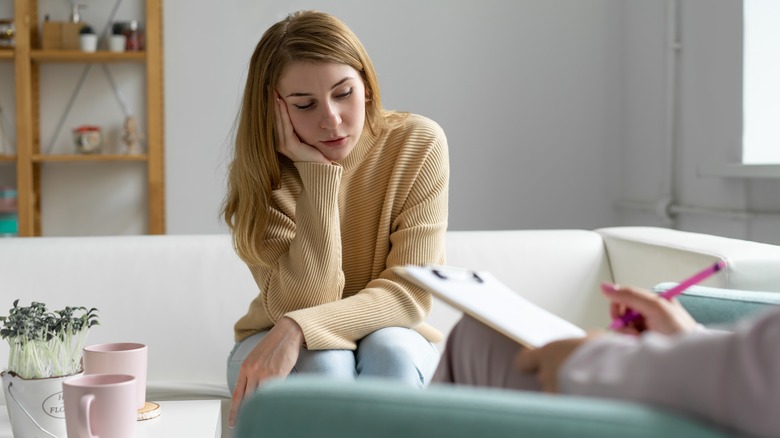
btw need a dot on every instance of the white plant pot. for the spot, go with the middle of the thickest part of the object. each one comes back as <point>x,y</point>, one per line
<point>35,406</point>
<point>88,42</point>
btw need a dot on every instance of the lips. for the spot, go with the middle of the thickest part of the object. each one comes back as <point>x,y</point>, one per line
<point>335,142</point>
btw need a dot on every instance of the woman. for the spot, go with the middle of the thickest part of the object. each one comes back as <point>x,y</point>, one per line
<point>327,194</point>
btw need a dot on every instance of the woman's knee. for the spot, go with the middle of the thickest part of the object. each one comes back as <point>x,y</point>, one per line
<point>332,363</point>
<point>399,353</point>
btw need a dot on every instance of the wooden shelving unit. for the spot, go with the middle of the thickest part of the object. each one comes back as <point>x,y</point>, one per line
<point>27,57</point>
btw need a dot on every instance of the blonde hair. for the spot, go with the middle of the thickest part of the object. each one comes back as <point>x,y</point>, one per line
<point>255,170</point>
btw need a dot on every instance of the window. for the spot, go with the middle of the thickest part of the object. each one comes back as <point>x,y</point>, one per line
<point>761,87</point>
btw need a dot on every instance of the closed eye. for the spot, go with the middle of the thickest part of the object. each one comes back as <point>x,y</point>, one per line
<point>304,107</point>
<point>310,105</point>
<point>345,94</point>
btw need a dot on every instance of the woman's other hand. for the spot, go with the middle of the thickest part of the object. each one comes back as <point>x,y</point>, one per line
<point>274,356</point>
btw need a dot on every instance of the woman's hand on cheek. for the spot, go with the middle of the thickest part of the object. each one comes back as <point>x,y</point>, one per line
<point>287,141</point>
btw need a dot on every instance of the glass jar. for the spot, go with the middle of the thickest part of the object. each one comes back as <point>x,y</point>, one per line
<point>88,139</point>
<point>133,37</point>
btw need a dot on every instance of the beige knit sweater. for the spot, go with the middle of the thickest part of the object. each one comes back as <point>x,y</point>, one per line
<point>338,231</point>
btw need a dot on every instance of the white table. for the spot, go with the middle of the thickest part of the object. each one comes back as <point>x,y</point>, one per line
<point>178,419</point>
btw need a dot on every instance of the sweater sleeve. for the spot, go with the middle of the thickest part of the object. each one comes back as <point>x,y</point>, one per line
<point>416,236</point>
<point>306,252</point>
<point>729,378</point>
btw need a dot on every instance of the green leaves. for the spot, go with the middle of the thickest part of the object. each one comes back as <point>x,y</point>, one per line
<point>44,343</point>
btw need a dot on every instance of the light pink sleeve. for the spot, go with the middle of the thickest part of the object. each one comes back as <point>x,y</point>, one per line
<point>730,378</point>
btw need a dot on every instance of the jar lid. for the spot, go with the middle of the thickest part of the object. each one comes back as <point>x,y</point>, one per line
<point>86,128</point>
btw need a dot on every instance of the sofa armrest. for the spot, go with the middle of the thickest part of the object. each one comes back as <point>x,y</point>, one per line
<point>645,256</point>
<point>716,307</point>
<point>305,406</point>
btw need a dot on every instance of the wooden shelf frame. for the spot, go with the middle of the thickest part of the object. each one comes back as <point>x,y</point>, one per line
<point>79,56</point>
<point>49,158</point>
<point>29,160</point>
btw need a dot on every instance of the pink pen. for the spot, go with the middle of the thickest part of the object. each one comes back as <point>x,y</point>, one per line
<point>632,315</point>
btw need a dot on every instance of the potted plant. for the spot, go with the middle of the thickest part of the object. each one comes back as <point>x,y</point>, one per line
<point>45,349</point>
<point>87,39</point>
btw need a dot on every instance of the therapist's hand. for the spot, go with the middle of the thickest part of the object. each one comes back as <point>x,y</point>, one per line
<point>547,360</point>
<point>274,356</point>
<point>660,315</point>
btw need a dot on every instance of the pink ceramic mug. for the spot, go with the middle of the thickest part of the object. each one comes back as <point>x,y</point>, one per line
<point>119,358</point>
<point>100,405</point>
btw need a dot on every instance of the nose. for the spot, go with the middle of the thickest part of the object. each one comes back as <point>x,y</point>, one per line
<point>330,117</point>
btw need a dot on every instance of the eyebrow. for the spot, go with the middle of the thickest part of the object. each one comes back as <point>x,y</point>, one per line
<point>309,94</point>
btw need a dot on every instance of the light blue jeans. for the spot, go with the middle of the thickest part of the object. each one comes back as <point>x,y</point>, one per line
<point>398,353</point>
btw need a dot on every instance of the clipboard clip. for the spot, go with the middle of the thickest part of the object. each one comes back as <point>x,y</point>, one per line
<point>460,275</point>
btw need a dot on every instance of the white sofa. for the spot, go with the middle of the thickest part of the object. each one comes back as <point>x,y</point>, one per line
<point>181,294</point>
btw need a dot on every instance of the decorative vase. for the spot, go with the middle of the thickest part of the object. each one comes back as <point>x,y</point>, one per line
<point>35,406</point>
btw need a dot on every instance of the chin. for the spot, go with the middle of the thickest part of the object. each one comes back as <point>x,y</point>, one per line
<point>337,155</point>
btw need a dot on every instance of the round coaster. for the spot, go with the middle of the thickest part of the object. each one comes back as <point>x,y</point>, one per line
<point>149,411</point>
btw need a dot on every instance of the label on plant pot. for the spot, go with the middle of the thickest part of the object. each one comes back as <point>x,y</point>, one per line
<point>54,405</point>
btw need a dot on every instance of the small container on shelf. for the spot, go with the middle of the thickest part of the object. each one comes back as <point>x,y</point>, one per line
<point>7,33</point>
<point>88,139</point>
<point>9,219</point>
<point>7,199</point>
<point>117,43</point>
<point>9,225</point>
<point>87,39</point>
<point>134,38</point>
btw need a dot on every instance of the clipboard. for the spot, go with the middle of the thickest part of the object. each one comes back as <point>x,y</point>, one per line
<point>483,297</point>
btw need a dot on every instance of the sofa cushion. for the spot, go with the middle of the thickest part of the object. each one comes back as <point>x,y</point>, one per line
<point>712,306</point>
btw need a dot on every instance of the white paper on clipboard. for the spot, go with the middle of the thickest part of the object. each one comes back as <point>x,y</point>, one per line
<point>483,297</point>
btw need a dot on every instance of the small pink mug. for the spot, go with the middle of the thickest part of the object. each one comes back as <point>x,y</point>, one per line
<point>120,358</point>
<point>100,405</point>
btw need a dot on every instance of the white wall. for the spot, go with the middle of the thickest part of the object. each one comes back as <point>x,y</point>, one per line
<point>706,129</point>
<point>555,111</point>
<point>526,92</point>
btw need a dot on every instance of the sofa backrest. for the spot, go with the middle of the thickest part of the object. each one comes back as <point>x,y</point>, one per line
<point>192,288</point>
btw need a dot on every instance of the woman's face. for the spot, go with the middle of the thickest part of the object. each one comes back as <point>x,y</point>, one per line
<point>327,105</point>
